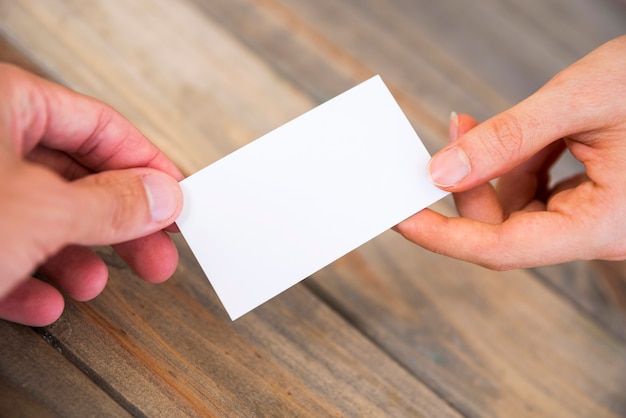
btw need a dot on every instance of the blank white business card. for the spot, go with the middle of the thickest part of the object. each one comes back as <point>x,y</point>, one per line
<point>286,205</point>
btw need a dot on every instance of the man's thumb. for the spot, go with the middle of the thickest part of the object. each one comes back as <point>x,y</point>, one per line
<point>121,205</point>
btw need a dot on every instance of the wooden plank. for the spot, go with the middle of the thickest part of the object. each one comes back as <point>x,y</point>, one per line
<point>596,287</point>
<point>36,380</point>
<point>489,346</point>
<point>477,59</point>
<point>381,37</point>
<point>170,350</point>
<point>315,60</point>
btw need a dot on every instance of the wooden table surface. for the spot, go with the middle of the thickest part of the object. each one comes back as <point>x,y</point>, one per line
<point>388,330</point>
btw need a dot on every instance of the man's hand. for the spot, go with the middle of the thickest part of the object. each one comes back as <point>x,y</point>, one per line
<point>75,173</point>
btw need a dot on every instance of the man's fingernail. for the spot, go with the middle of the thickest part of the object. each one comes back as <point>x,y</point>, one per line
<point>162,196</point>
<point>454,126</point>
<point>449,167</point>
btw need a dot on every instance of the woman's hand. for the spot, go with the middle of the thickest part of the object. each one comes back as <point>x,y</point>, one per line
<point>522,222</point>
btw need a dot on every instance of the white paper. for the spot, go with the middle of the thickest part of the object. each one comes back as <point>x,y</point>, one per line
<point>286,205</point>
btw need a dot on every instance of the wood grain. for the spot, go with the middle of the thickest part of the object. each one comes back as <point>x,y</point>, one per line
<point>170,350</point>
<point>388,330</point>
<point>491,344</point>
<point>597,287</point>
<point>36,380</point>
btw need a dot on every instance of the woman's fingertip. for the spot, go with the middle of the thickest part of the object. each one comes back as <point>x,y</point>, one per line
<point>449,167</point>
<point>453,130</point>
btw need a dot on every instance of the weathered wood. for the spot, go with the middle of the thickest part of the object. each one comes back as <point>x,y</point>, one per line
<point>596,287</point>
<point>170,350</point>
<point>202,78</point>
<point>37,381</point>
<point>490,344</point>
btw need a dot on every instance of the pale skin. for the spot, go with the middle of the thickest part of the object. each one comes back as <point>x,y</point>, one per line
<point>521,222</point>
<point>74,173</point>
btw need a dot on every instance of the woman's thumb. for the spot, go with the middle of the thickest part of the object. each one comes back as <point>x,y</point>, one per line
<point>490,149</point>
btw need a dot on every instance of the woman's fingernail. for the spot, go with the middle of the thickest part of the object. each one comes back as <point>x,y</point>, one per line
<point>449,167</point>
<point>454,126</point>
<point>162,196</point>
